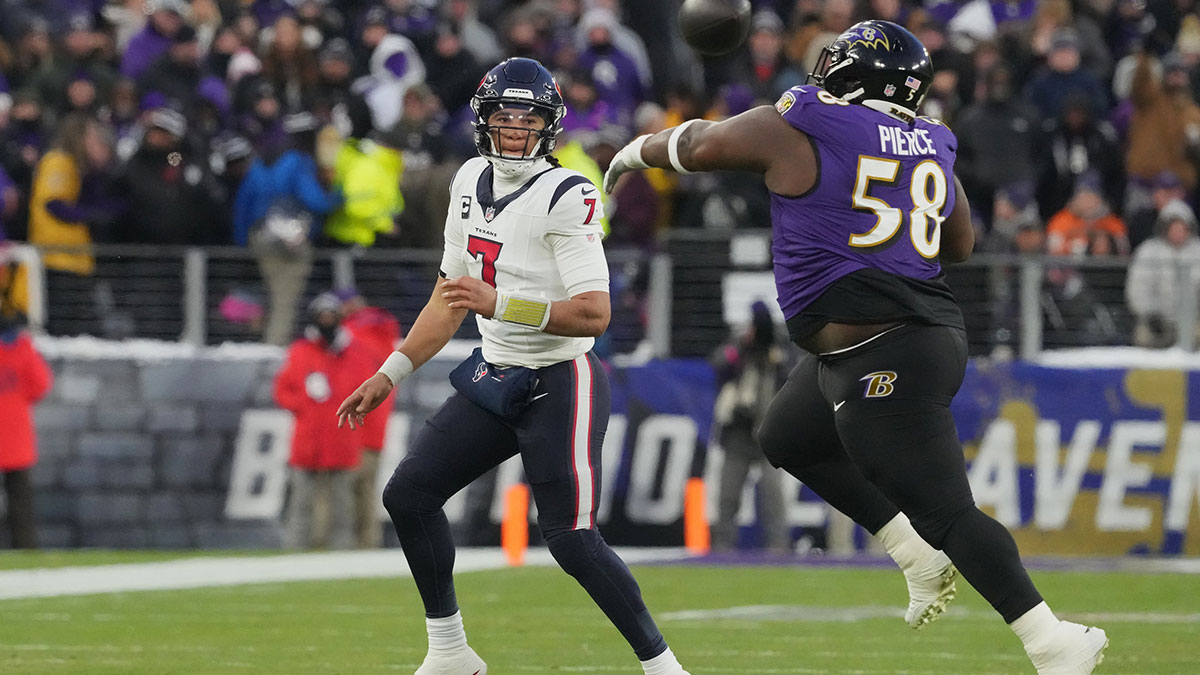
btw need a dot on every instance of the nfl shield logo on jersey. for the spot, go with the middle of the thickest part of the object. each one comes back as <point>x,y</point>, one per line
<point>489,213</point>
<point>889,90</point>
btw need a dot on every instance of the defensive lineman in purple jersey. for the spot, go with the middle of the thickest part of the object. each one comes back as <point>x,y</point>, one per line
<point>865,208</point>
<point>816,240</point>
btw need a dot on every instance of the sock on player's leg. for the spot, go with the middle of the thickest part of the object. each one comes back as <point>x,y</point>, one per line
<point>663,664</point>
<point>446,633</point>
<point>1034,624</point>
<point>903,543</point>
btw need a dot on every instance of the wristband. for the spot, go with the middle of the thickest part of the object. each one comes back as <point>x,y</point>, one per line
<point>522,310</point>
<point>633,153</point>
<point>673,147</point>
<point>396,367</point>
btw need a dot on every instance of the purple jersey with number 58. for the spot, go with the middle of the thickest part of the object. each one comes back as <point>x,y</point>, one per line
<point>883,189</point>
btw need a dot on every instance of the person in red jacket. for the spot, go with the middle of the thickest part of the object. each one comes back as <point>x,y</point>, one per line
<point>24,379</point>
<point>380,331</point>
<point>321,368</point>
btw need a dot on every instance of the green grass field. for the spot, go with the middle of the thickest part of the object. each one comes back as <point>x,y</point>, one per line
<point>536,620</point>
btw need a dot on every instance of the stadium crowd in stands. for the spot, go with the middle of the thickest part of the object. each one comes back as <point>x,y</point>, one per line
<point>230,121</point>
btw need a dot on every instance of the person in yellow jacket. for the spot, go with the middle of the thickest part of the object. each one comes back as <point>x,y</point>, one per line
<point>80,145</point>
<point>368,174</point>
<point>572,155</point>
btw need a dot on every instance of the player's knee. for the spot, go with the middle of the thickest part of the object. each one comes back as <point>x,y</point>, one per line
<point>404,498</point>
<point>574,550</point>
<point>771,437</point>
<point>933,526</point>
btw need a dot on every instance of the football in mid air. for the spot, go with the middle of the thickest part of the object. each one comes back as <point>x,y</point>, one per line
<point>714,27</point>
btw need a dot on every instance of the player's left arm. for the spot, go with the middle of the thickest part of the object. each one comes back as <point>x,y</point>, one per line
<point>758,140</point>
<point>958,235</point>
<point>584,315</point>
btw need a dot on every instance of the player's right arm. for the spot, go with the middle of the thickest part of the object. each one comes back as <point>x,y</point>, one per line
<point>434,327</point>
<point>758,140</point>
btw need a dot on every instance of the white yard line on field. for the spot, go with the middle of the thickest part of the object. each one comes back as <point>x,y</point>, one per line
<point>869,612</point>
<point>206,572</point>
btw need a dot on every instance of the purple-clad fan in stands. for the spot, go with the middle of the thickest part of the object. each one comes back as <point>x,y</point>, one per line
<point>154,40</point>
<point>864,208</point>
<point>614,73</point>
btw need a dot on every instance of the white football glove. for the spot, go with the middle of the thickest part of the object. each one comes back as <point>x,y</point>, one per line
<point>628,158</point>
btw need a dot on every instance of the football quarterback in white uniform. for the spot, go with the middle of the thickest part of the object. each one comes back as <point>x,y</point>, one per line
<point>524,252</point>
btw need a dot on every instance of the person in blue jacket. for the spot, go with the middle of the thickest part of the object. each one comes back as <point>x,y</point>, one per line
<point>279,207</point>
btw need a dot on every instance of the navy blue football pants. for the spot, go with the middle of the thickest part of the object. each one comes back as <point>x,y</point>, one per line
<point>870,431</point>
<point>559,437</point>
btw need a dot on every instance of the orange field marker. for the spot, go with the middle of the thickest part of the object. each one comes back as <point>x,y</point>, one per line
<point>696,536</point>
<point>514,530</point>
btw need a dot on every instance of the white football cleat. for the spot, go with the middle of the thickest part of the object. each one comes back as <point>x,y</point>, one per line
<point>930,590</point>
<point>1072,649</point>
<point>462,661</point>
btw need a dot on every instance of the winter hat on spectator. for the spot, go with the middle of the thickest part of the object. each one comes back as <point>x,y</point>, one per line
<point>1188,40</point>
<point>243,63</point>
<point>1018,193</point>
<point>212,89</point>
<point>325,302</point>
<point>345,294</point>
<point>598,17</point>
<point>151,100</point>
<point>1089,181</point>
<point>1176,209</point>
<point>1064,38</point>
<point>376,16</point>
<point>1167,180</point>
<point>178,6</point>
<point>1172,63</point>
<point>263,89</point>
<point>337,49</point>
<point>1024,211</point>
<point>33,23</point>
<point>168,120</point>
<point>765,19</point>
<point>79,21</point>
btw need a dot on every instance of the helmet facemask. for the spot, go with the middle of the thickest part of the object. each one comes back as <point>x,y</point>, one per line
<point>834,58</point>
<point>539,142</point>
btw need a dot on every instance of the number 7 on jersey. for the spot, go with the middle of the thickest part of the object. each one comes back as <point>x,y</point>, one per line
<point>486,251</point>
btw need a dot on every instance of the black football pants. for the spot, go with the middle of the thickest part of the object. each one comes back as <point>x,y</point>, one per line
<point>870,431</point>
